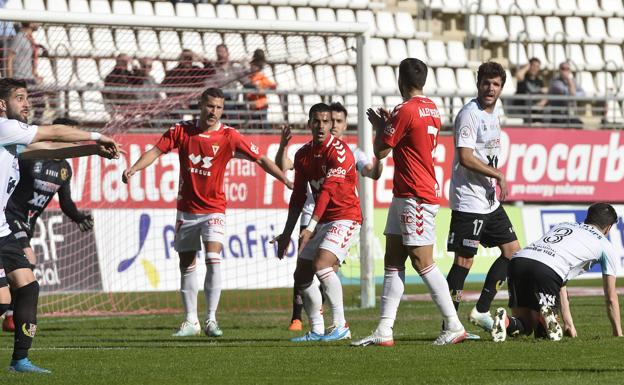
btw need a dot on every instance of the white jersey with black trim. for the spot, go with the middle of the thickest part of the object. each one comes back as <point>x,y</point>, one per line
<point>14,136</point>
<point>361,160</point>
<point>571,249</point>
<point>475,128</point>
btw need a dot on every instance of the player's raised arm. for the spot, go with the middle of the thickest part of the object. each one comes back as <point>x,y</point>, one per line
<point>51,150</point>
<point>146,159</point>
<point>380,119</point>
<point>612,303</point>
<point>281,158</point>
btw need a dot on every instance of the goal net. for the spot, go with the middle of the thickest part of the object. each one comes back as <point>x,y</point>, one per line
<point>133,78</point>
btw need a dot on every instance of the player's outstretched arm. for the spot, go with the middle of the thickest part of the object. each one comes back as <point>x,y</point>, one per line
<point>468,160</point>
<point>271,168</point>
<point>281,159</point>
<point>68,134</point>
<point>52,150</point>
<point>146,159</point>
<point>612,303</point>
<point>569,329</point>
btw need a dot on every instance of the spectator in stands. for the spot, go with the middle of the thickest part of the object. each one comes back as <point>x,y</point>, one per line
<point>257,100</point>
<point>530,82</point>
<point>228,75</point>
<point>146,80</point>
<point>187,75</point>
<point>21,63</point>
<point>121,76</point>
<point>564,84</point>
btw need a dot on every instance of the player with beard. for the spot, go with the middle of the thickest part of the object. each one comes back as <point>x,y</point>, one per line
<point>205,147</point>
<point>18,138</point>
<point>477,216</point>
<point>40,180</point>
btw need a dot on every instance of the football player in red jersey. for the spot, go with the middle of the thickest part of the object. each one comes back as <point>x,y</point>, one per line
<point>205,147</point>
<point>327,164</point>
<point>411,133</point>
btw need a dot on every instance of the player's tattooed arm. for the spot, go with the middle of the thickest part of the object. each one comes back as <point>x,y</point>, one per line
<point>281,158</point>
<point>146,159</point>
<point>472,163</point>
<point>612,303</point>
<point>568,329</point>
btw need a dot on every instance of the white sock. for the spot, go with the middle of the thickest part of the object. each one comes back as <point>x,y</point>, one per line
<point>212,285</point>
<point>312,302</point>
<point>333,291</point>
<point>393,287</point>
<point>439,290</point>
<point>189,289</point>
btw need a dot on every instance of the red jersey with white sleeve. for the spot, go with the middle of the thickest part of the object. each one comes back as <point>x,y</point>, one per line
<point>329,168</point>
<point>203,159</point>
<point>413,135</point>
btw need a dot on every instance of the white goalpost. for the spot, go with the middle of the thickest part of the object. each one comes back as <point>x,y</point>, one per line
<point>310,62</point>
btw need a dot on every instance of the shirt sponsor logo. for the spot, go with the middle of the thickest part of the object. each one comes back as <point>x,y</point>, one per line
<point>216,221</point>
<point>464,132</point>
<point>389,130</point>
<point>46,186</point>
<point>39,200</point>
<point>335,230</point>
<point>255,149</point>
<point>336,172</point>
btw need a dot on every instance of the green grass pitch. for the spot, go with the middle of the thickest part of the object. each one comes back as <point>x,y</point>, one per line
<point>255,350</point>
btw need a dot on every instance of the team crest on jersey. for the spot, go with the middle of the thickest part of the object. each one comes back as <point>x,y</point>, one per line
<point>64,174</point>
<point>215,149</point>
<point>23,125</point>
<point>324,168</point>
<point>464,132</point>
<point>37,167</point>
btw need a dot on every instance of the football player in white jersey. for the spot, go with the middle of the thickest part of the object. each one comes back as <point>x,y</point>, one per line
<point>367,167</point>
<point>477,216</point>
<point>18,138</point>
<point>539,272</point>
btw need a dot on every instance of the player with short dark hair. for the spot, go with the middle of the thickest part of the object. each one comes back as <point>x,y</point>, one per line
<point>205,147</point>
<point>411,133</point>
<point>40,180</point>
<point>538,275</point>
<point>366,166</point>
<point>18,138</point>
<point>327,165</point>
<point>477,217</point>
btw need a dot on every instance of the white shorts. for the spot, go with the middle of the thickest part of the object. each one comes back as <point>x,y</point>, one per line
<point>413,220</point>
<point>336,237</point>
<point>192,229</point>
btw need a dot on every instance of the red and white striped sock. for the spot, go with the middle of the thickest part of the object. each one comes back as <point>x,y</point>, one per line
<point>439,290</point>
<point>333,290</point>
<point>393,287</point>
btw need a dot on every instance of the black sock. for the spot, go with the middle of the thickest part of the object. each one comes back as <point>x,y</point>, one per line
<point>496,276</point>
<point>3,308</point>
<point>515,327</point>
<point>456,278</point>
<point>25,318</point>
<point>297,304</point>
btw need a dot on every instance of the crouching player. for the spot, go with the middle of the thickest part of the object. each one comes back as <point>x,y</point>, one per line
<point>538,272</point>
<point>328,166</point>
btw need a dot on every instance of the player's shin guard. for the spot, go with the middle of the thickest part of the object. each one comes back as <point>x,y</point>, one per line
<point>439,290</point>
<point>189,289</point>
<point>297,304</point>
<point>496,277</point>
<point>25,316</point>
<point>455,279</point>
<point>333,290</point>
<point>393,287</point>
<point>212,285</point>
<point>312,302</point>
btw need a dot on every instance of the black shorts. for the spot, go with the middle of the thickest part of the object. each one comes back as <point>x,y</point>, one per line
<point>533,284</point>
<point>21,230</point>
<point>12,254</point>
<point>468,230</point>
